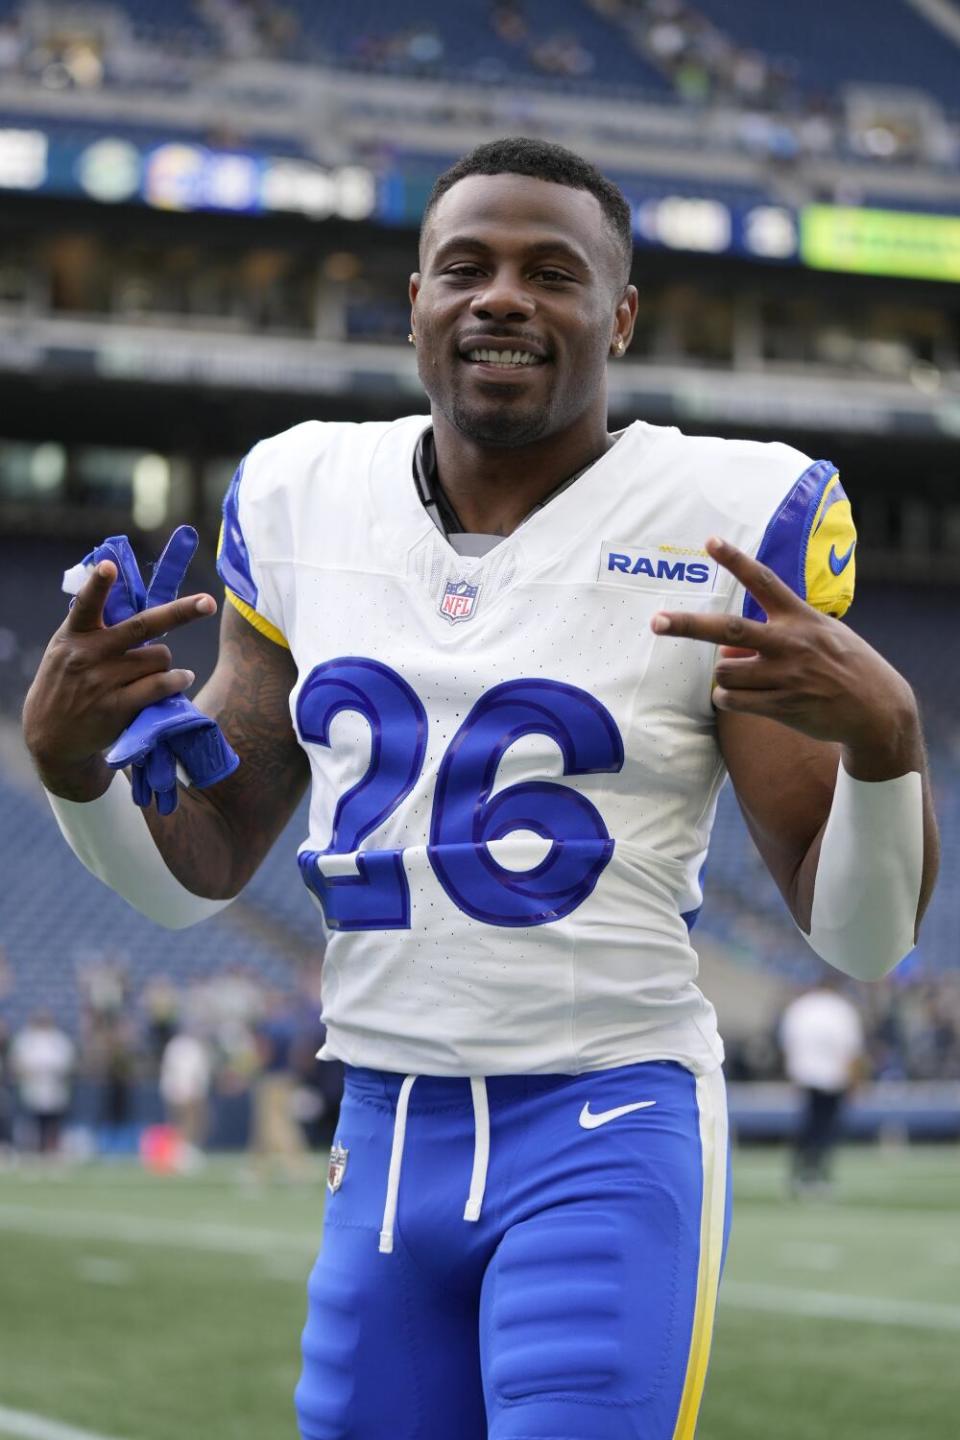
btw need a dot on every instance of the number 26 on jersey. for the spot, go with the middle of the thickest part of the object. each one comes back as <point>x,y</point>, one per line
<point>465,820</point>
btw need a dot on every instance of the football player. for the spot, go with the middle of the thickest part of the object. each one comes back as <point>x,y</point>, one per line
<point>514,657</point>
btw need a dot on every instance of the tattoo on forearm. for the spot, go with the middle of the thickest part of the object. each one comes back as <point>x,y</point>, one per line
<point>216,838</point>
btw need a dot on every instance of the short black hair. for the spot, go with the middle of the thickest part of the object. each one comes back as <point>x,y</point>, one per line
<point>542,160</point>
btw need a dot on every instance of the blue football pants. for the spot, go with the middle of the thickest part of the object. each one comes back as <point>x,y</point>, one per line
<point>578,1306</point>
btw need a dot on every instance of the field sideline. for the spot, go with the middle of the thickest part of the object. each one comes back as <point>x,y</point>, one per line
<point>142,1308</point>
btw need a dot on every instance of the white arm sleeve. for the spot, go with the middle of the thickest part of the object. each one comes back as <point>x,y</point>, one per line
<point>111,838</point>
<point>869,873</point>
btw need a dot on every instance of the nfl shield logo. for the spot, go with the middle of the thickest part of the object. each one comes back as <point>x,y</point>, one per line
<point>338,1165</point>
<point>459,600</point>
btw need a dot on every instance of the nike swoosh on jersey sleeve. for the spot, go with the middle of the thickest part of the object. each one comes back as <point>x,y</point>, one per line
<point>839,563</point>
<point>831,564</point>
<point>811,542</point>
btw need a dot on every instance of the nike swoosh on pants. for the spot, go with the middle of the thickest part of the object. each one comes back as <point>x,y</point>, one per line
<point>589,1121</point>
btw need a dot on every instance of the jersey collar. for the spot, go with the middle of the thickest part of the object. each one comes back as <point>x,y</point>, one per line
<point>552,528</point>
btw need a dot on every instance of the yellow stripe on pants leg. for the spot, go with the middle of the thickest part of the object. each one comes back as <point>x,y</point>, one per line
<point>712,1104</point>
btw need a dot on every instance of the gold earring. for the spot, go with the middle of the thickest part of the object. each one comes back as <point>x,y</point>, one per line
<point>618,345</point>
<point>411,338</point>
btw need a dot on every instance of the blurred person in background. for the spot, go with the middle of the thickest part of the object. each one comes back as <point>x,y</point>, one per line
<point>276,1138</point>
<point>104,984</point>
<point>161,1009</point>
<point>42,1062</point>
<point>110,1055</point>
<point>319,1091</point>
<point>234,997</point>
<point>107,1051</point>
<point>824,1054</point>
<point>319,1083</point>
<point>186,1074</point>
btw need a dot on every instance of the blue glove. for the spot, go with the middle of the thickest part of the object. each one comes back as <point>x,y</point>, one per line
<point>128,595</point>
<point>172,730</point>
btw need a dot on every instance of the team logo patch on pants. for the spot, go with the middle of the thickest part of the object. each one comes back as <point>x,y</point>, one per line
<point>339,1156</point>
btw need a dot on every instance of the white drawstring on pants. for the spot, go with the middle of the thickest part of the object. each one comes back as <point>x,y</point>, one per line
<point>481,1157</point>
<point>481,1148</point>
<point>396,1160</point>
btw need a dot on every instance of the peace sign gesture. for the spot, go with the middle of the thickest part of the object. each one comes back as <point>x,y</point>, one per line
<point>95,677</point>
<point>801,668</point>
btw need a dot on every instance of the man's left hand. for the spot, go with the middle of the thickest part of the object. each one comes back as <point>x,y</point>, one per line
<point>804,669</point>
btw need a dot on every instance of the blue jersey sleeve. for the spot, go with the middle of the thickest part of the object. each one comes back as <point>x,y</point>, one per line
<point>810,543</point>
<point>235,568</point>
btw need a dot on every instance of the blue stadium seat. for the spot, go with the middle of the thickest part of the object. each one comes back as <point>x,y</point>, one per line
<point>876,42</point>
<point>432,37</point>
<point>57,919</point>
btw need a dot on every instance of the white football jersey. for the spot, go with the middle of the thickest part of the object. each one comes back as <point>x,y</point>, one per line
<point>513,778</point>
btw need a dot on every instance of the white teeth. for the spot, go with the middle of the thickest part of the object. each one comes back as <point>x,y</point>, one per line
<point>503,357</point>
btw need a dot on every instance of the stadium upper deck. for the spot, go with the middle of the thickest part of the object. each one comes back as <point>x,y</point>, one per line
<point>870,42</point>
<point>786,83</point>
<point>746,48</point>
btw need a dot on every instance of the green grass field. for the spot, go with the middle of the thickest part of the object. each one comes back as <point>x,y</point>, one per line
<point>145,1308</point>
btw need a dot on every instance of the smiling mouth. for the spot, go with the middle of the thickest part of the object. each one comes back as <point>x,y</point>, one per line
<point>504,359</point>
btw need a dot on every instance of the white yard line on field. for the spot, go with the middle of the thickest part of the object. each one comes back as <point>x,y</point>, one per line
<point>25,1425</point>
<point>132,1230</point>
<point>811,1254</point>
<point>826,1305</point>
<point>274,1244</point>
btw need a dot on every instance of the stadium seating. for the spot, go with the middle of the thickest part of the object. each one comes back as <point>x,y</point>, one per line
<point>911,626</point>
<point>181,21</point>
<point>860,41</point>
<point>571,44</point>
<point>56,920</point>
<point>561,42</point>
<point>277,890</point>
<point>436,38</point>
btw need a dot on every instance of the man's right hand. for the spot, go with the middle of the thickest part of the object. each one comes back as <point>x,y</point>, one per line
<point>94,679</point>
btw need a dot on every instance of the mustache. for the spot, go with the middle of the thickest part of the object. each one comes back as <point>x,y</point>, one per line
<point>513,337</point>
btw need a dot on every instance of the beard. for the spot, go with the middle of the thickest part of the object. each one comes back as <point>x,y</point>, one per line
<point>501,427</point>
<point>496,419</point>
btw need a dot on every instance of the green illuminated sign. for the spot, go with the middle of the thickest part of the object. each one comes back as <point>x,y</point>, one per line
<point>880,242</point>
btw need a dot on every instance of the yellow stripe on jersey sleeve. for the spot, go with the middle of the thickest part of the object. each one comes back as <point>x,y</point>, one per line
<point>830,566</point>
<point>257,620</point>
